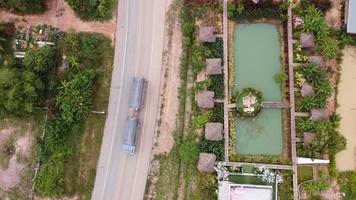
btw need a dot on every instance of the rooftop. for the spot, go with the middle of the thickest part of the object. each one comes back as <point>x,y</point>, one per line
<point>318,60</point>
<point>319,114</point>
<point>206,162</point>
<point>206,34</point>
<point>351,19</point>
<point>213,131</point>
<point>307,40</point>
<point>231,191</point>
<point>307,90</point>
<point>205,99</point>
<point>213,66</point>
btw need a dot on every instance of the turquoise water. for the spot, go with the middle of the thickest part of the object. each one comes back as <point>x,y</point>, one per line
<point>257,61</point>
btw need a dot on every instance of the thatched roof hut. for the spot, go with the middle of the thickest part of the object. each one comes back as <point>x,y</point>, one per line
<point>206,34</point>
<point>307,40</point>
<point>213,131</point>
<point>319,114</point>
<point>206,162</point>
<point>307,90</point>
<point>213,66</point>
<point>205,99</point>
<point>318,60</point>
<point>308,137</point>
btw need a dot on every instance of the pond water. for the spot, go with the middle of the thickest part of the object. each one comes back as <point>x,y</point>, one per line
<point>257,60</point>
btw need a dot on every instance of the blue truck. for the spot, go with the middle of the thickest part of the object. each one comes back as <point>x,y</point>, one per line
<point>132,122</point>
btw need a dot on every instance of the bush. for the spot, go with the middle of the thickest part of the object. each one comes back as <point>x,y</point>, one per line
<point>217,85</point>
<point>347,182</point>
<point>188,152</point>
<point>215,147</point>
<point>214,49</point>
<point>316,186</point>
<point>25,6</point>
<point>40,60</point>
<point>200,120</point>
<point>92,9</point>
<point>218,113</point>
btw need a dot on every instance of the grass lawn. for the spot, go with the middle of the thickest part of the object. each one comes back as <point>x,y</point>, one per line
<point>305,173</point>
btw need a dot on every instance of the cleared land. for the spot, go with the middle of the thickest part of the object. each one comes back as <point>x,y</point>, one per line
<point>346,160</point>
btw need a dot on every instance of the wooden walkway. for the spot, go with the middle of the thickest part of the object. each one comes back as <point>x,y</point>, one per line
<point>226,83</point>
<point>302,114</point>
<point>270,166</point>
<point>292,101</point>
<point>271,104</point>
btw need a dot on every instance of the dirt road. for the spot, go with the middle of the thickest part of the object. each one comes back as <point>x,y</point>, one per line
<point>65,21</point>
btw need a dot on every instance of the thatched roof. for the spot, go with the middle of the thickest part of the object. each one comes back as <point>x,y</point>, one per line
<point>205,99</point>
<point>319,114</point>
<point>308,137</point>
<point>206,162</point>
<point>213,131</point>
<point>213,66</point>
<point>307,40</point>
<point>206,34</point>
<point>318,60</point>
<point>307,90</point>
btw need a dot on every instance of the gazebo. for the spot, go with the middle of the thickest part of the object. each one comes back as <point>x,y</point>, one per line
<point>206,162</point>
<point>308,137</point>
<point>317,114</point>
<point>206,34</point>
<point>307,90</point>
<point>307,40</point>
<point>213,131</point>
<point>318,60</point>
<point>205,99</point>
<point>213,66</point>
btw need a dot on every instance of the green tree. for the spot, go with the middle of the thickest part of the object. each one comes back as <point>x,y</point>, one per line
<point>40,59</point>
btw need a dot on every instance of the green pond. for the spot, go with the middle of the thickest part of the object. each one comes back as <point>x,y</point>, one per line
<point>257,60</point>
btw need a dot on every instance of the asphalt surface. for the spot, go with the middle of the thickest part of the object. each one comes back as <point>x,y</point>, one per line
<point>138,53</point>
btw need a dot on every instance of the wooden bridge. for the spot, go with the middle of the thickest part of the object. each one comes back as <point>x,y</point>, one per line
<point>271,104</point>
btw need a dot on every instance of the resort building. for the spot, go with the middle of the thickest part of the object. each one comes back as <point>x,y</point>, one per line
<point>351,16</point>
<point>213,66</point>
<point>213,131</point>
<point>307,40</point>
<point>205,99</point>
<point>233,191</point>
<point>207,34</point>
<point>206,162</point>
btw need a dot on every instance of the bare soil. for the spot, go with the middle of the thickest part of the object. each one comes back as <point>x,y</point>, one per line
<point>332,16</point>
<point>64,21</point>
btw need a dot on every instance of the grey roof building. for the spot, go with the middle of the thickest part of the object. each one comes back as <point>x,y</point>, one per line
<point>205,99</point>
<point>351,16</point>
<point>307,40</point>
<point>207,34</point>
<point>213,66</point>
<point>307,90</point>
<point>213,131</point>
<point>319,114</point>
<point>308,137</point>
<point>206,162</point>
<point>318,60</point>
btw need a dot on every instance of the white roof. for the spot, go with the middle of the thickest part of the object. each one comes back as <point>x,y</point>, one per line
<point>231,191</point>
<point>351,17</point>
<point>308,161</point>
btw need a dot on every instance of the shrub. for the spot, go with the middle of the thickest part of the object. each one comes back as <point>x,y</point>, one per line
<point>92,9</point>
<point>40,60</point>
<point>217,85</point>
<point>214,49</point>
<point>215,147</point>
<point>200,120</point>
<point>347,182</point>
<point>188,152</point>
<point>25,6</point>
<point>316,186</point>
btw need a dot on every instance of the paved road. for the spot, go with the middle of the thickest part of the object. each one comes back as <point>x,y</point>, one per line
<point>138,52</point>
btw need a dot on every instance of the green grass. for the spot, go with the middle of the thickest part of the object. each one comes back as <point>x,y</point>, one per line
<point>305,173</point>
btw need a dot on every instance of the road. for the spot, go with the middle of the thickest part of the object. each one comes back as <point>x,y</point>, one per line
<point>138,52</point>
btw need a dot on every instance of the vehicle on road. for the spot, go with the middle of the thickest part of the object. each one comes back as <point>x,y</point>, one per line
<point>132,122</point>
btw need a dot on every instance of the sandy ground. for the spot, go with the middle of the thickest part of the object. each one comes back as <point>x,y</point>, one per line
<point>346,160</point>
<point>11,176</point>
<point>65,22</point>
<point>333,15</point>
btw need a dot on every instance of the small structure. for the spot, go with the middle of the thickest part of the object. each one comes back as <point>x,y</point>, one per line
<point>318,60</point>
<point>233,191</point>
<point>213,66</point>
<point>206,34</point>
<point>350,16</point>
<point>308,137</point>
<point>309,161</point>
<point>213,131</point>
<point>206,162</point>
<point>307,90</point>
<point>307,40</point>
<point>205,99</point>
<point>319,114</point>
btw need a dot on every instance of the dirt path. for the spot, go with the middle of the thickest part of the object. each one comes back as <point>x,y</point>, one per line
<point>346,160</point>
<point>65,22</point>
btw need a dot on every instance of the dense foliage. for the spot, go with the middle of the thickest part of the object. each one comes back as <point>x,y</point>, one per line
<point>92,9</point>
<point>24,6</point>
<point>214,49</point>
<point>313,74</point>
<point>188,152</point>
<point>75,96</point>
<point>347,182</point>
<point>217,85</point>
<point>215,147</point>
<point>248,102</point>
<point>323,5</point>
<point>40,60</point>
<point>314,22</point>
<point>327,139</point>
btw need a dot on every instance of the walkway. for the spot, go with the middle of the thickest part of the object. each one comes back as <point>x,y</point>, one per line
<point>65,22</point>
<point>271,104</point>
<point>226,84</point>
<point>270,166</point>
<point>292,102</point>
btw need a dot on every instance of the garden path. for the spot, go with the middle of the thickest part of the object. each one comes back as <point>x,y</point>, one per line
<point>62,16</point>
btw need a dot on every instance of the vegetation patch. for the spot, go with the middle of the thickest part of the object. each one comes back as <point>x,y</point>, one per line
<point>217,85</point>
<point>92,10</point>
<point>305,173</point>
<point>23,7</point>
<point>347,182</point>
